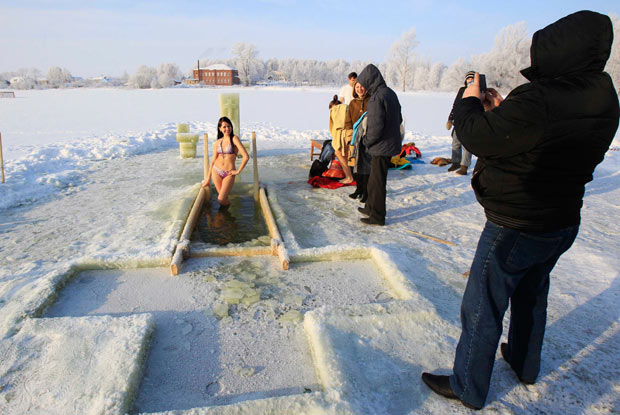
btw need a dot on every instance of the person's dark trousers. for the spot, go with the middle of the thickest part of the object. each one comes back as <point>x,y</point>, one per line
<point>377,182</point>
<point>508,265</point>
<point>363,185</point>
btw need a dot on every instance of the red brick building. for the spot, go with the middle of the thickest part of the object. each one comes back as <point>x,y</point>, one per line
<point>218,74</point>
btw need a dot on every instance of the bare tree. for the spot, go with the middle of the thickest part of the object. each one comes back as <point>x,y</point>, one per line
<point>245,54</point>
<point>402,56</point>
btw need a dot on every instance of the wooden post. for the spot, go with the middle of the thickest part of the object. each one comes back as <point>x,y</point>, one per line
<point>255,164</point>
<point>182,249</point>
<point>1,159</point>
<point>206,157</point>
<point>206,164</point>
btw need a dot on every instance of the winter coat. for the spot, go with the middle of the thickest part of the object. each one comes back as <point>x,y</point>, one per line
<point>383,136</point>
<point>336,127</point>
<point>362,158</point>
<point>356,108</point>
<point>457,99</point>
<point>530,175</point>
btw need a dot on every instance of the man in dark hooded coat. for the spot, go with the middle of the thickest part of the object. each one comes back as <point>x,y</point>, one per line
<point>383,140</point>
<point>531,186</point>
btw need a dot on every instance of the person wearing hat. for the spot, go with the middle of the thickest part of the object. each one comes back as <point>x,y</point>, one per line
<point>531,197</point>
<point>461,158</point>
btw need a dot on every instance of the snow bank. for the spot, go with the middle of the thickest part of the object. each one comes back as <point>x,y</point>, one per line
<point>87,365</point>
<point>373,354</point>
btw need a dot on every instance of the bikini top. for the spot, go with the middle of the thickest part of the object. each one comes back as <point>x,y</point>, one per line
<point>229,149</point>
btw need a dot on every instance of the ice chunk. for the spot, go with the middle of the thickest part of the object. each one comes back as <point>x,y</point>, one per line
<point>232,295</point>
<point>291,316</point>
<point>265,240</point>
<point>293,299</point>
<point>220,311</point>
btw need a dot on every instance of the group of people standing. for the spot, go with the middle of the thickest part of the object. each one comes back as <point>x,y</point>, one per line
<point>369,115</point>
<point>531,196</point>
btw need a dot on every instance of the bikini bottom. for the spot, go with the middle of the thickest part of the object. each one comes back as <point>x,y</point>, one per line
<point>220,172</point>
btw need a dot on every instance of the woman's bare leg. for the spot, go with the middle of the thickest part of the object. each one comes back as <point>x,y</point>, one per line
<point>217,181</point>
<point>348,177</point>
<point>226,187</point>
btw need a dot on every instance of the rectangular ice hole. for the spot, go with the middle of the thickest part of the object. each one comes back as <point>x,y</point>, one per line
<point>197,360</point>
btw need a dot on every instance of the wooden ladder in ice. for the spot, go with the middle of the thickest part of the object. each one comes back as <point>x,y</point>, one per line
<point>277,248</point>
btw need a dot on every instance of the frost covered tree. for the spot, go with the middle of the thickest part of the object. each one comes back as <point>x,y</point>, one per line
<point>245,55</point>
<point>434,75</point>
<point>145,77</point>
<point>402,56</point>
<point>453,76</point>
<point>167,73</point>
<point>613,64</point>
<point>57,76</point>
<point>510,54</point>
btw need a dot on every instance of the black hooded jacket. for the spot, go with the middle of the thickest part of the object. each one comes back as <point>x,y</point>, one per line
<point>538,149</point>
<point>384,117</point>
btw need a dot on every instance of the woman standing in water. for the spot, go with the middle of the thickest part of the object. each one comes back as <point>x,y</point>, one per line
<point>222,169</point>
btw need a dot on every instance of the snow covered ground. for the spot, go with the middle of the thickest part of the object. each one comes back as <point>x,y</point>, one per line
<point>91,322</point>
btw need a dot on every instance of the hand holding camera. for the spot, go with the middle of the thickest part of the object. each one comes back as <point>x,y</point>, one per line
<point>476,87</point>
<point>492,99</point>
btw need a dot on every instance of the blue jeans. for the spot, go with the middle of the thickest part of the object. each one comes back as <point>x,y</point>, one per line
<point>508,265</point>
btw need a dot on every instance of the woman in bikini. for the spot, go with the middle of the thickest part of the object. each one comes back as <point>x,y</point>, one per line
<point>222,169</point>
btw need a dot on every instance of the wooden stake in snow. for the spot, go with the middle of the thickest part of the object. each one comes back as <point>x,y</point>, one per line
<point>276,240</point>
<point>429,237</point>
<point>1,159</point>
<point>182,249</point>
<point>206,164</point>
<point>255,164</point>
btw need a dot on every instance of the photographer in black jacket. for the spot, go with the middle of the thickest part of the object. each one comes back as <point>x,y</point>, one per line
<point>383,140</point>
<point>531,195</point>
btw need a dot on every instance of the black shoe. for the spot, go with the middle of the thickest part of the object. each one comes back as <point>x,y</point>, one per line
<point>454,166</point>
<point>355,195</point>
<point>364,210</point>
<point>372,221</point>
<point>363,198</point>
<point>440,384</point>
<point>503,348</point>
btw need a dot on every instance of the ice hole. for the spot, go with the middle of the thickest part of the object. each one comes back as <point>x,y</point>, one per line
<point>207,351</point>
<point>240,223</point>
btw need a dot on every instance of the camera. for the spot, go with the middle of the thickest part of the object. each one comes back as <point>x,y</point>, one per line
<point>482,80</point>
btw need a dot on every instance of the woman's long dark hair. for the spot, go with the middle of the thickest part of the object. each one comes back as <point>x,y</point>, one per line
<point>219,124</point>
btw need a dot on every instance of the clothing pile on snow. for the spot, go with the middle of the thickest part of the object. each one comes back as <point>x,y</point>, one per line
<point>441,161</point>
<point>400,163</point>
<point>410,150</point>
<point>320,165</point>
<point>327,183</point>
<point>335,171</point>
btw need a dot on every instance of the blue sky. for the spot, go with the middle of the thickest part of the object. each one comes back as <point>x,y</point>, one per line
<point>110,37</point>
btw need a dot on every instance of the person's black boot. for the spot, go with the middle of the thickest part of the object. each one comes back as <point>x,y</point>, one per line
<point>440,384</point>
<point>372,221</point>
<point>356,194</point>
<point>503,348</point>
<point>358,188</point>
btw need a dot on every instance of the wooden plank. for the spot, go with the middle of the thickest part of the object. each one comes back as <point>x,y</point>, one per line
<point>430,237</point>
<point>255,165</point>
